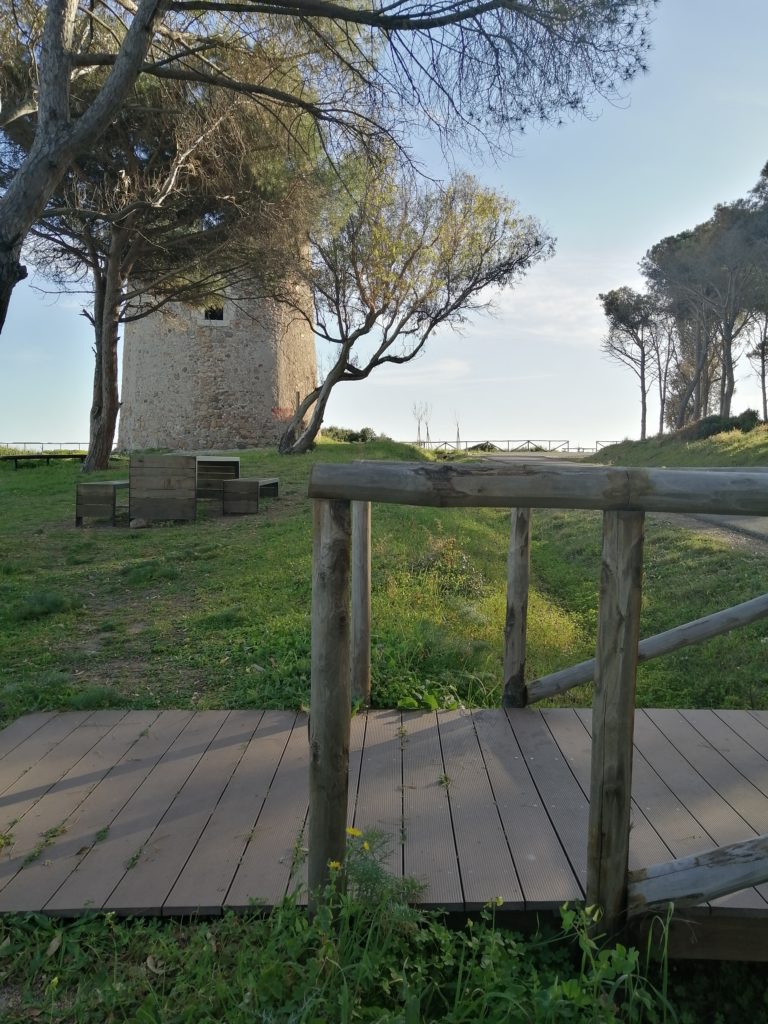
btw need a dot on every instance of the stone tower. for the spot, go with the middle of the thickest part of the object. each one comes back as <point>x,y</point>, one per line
<point>224,377</point>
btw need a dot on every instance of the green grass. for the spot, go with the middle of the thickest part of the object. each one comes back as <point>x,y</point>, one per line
<point>216,613</point>
<point>366,956</point>
<point>732,448</point>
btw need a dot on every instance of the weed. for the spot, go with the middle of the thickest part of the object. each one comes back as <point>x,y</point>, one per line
<point>39,605</point>
<point>133,860</point>
<point>367,955</point>
<point>48,838</point>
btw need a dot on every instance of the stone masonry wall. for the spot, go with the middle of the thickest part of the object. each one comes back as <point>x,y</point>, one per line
<point>190,383</point>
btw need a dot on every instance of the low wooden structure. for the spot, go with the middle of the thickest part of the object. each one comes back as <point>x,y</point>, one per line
<point>241,496</point>
<point>624,496</point>
<point>97,499</point>
<point>212,471</point>
<point>179,812</point>
<point>163,487</point>
<point>28,457</point>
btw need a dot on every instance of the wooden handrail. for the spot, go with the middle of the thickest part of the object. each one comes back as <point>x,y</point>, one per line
<point>544,485</point>
<point>699,878</point>
<point>654,646</point>
<point>624,495</point>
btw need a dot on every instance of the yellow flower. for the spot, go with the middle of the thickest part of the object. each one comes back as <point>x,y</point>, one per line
<point>366,846</point>
<point>334,865</point>
<point>354,832</point>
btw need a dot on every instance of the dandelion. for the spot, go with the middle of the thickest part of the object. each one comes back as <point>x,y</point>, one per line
<point>334,865</point>
<point>366,846</point>
<point>354,832</point>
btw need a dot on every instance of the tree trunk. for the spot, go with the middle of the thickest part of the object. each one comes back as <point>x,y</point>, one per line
<point>106,403</point>
<point>694,387</point>
<point>11,272</point>
<point>729,382</point>
<point>643,397</point>
<point>295,440</point>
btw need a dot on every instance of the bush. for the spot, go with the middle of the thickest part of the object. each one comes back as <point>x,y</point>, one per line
<point>712,425</point>
<point>352,436</point>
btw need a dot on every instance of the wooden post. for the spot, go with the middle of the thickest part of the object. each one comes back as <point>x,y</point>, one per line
<point>361,601</point>
<point>330,697</point>
<point>613,715</point>
<point>515,627</point>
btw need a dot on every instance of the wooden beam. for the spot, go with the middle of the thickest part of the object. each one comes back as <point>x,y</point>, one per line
<point>361,601</point>
<point>699,878</point>
<point>541,484</point>
<point>516,624</point>
<point>613,714</point>
<point>654,646</point>
<point>330,692</point>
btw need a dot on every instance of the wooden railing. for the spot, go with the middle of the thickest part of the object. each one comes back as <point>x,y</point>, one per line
<point>341,643</point>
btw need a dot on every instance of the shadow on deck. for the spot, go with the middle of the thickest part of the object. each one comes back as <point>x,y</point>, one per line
<point>180,812</point>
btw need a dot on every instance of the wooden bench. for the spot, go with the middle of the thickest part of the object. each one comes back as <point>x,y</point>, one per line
<point>27,457</point>
<point>163,487</point>
<point>241,497</point>
<point>97,499</point>
<point>212,471</point>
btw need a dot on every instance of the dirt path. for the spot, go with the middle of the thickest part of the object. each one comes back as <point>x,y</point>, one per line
<point>745,532</point>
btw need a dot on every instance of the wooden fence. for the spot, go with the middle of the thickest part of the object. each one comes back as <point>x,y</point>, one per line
<point>341,643</point>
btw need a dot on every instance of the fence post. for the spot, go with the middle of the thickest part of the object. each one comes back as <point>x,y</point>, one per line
<point>613,714</point>
<point>515,626</point>
<point>361,601</point>
<point>330,691</point>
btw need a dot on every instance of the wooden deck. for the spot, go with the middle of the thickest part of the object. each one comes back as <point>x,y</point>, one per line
<point>175,812</point>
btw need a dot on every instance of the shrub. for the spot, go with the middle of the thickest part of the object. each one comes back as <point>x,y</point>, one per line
<point>711,425</point>
<point>352,436</point>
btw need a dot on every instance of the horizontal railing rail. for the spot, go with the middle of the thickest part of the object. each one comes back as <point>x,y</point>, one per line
<point>46,446</point>
<point>341,642</point>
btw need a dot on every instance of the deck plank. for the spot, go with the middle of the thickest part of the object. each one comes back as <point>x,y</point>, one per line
<point>29,874</point>
<point>737,750</point>
<point>487,869</point>
<point>380,793</point>
<point>26,756</point>
<point>645,845</point>
<point>205,879</point>
<point>94,819</point>
<point>546,877</point>
<point>560,794</point>
<point>17,732</point>
<point>747,727</point>
<point>430,848</point>
<point>166,850</point>
<point>105,864</point>
<point>82,733</point>
<point>275,841</point>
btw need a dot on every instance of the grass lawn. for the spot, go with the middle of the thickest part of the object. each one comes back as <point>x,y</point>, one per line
<point>216,614</point>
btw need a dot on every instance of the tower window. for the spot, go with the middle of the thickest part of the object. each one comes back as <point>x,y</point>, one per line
<point>214,313</point>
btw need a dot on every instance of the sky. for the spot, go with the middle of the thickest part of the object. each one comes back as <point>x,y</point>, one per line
<point>690,133</point>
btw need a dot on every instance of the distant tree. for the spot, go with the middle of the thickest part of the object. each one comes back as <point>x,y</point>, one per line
<point>711,275</point>
<point>475,68</point>
<point>632,338</point>
<point>758,356</point>
<point>403,262</point>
